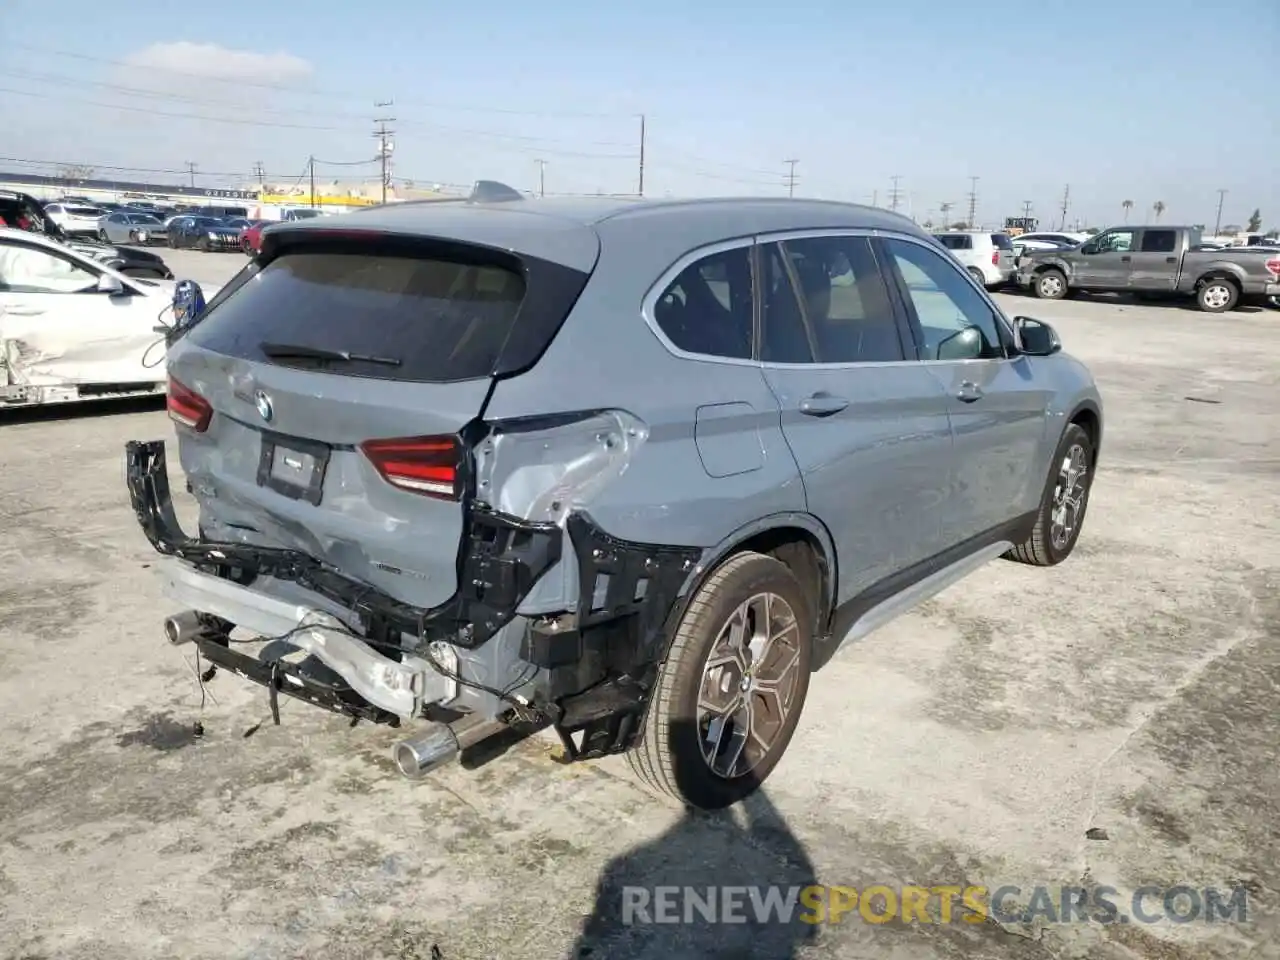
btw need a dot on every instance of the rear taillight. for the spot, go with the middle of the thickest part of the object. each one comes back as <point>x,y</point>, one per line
<point>1274,266</point>
<point>188,408</point>
<point>431,466</point>
<point>995,258</point>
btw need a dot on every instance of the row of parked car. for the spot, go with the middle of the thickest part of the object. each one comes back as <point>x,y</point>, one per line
<point>1150,262</point>
<point>200,228</point>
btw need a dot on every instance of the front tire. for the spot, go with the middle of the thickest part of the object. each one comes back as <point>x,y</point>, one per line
<point>102,235</point>
<point>1050,285</point>
<point>1217,296</point>
<point>1063,504</point>
<point>730,693</point>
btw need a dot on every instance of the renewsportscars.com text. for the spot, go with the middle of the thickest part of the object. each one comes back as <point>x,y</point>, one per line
<point>934,904</point>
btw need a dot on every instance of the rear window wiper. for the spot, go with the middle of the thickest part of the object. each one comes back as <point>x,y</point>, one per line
<point>297,351</point>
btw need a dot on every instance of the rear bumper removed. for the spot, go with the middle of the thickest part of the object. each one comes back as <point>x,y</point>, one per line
<point>601,658</point>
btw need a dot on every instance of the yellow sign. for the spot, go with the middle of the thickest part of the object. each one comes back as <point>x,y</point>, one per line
<point>288,200</point>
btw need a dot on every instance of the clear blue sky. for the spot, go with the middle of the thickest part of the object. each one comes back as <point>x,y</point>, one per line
<point>1123,99</point>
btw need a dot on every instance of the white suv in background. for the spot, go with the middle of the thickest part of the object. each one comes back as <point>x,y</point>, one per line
<point>76,219</point>
<point>989,257</point>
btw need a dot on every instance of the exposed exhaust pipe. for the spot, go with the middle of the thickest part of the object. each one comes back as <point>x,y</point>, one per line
<point>418,756</point>
<point>183,627</point>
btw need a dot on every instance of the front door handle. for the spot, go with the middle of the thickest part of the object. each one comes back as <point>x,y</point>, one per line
<point>968,392</point>
<point>1124,259</point>
<point>1170,259</point>
<point>22,311</point>
<point>822,405</point>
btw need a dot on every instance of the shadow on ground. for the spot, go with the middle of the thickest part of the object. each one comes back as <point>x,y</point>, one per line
<point>668,897</point>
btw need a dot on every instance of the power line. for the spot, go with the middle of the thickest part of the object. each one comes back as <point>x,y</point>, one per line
<point>791,177</point>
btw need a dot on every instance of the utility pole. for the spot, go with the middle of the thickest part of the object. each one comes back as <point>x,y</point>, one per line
<point>945,206</point>
<point>973,202</point>
<point>1217,224</point>
<point>1066,203</point>
<point>875,198</point>
<point>191,169</point>
<point>311,166</point>
<point>894,194</point>
<point>1026,209</point>
<point>385,146</point>
<point>642,138</point>
<point>542,178</point>
<point>260,173</point>
<point>791,177</point>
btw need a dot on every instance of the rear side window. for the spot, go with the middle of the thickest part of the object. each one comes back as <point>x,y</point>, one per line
<point>410,318</point>
<point>1159,241</point>
<point>707,309</point>
<point>956,242</point>
<point>1002,241</point>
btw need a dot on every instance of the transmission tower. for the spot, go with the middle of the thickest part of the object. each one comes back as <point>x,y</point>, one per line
<point>895,195</point>
<point>973,201</point>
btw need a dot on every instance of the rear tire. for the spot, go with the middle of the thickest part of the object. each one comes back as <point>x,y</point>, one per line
<point>102,235</point>
<point>1050,285</point>
<point>1063,504</point>
<point>670,757</point>
<point>978,277</point>
<point>1217,296</point>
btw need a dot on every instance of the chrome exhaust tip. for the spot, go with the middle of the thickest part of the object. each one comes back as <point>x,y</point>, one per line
<point>415,757</point>
<point>182,627</point>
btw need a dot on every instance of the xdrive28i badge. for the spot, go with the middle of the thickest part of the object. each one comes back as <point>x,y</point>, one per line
<point>263,403</point>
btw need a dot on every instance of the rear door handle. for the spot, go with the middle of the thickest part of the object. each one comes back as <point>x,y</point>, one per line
<point>968,392</point>
<point>1170,259</point>
<point>1124,259</point>
<point>822,405</point>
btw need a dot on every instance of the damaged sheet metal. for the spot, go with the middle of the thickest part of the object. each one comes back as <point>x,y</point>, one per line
<point>39,348</point>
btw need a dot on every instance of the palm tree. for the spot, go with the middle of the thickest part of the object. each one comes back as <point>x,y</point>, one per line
<point>1128,205</point>
<point>1158,207</point>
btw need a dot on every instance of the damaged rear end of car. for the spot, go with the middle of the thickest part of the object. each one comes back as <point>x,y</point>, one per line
<point>395,554</point>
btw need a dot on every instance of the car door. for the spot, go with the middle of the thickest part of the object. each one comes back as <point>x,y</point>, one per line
<point>997,406</point>
<point>115,227</point>
<point>56,326</point>
<point>1154,261</point>
<point>866,423</point>
<point>1105,262</point>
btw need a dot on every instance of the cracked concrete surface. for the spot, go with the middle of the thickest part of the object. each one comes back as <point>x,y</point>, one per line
<point>1133,690</point>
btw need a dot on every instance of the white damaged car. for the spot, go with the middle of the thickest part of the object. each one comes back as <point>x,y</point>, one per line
<point>72,328</point>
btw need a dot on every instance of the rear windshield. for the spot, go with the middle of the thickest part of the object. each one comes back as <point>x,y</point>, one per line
<point>956,241</point>
<point>84,211</point>
<point>440,320</point>
<point>1002,241</point>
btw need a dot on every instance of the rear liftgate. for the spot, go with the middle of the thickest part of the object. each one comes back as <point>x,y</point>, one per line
<point>602,658</point>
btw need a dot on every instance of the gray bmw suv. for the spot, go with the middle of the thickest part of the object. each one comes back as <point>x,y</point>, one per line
<point>629,469</point>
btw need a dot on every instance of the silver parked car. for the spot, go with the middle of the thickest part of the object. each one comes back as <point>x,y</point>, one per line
<point>125,227</point>
<point>630,469</point>
<point>990,258</point>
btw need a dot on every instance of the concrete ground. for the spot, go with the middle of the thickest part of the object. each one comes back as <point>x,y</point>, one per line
<point>1130,695</point>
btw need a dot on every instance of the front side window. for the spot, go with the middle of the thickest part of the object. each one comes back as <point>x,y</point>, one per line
<point>826,302</point>
<point>956,321</point>
<point>26,269</point>
<point>1113,241</point>
<point>707,309</point>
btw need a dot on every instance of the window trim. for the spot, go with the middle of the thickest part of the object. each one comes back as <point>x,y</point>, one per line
<point>1004,328</point>
<point>84,264</point>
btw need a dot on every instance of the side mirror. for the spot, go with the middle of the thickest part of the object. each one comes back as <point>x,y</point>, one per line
<point>964,344</point>
<point>1035,338</point>
<point>110,285</point>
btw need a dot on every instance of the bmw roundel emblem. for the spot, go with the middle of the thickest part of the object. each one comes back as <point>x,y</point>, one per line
<point>263,403</point>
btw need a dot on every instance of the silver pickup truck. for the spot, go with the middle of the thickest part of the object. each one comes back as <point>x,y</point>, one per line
<point>1156,260</point>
